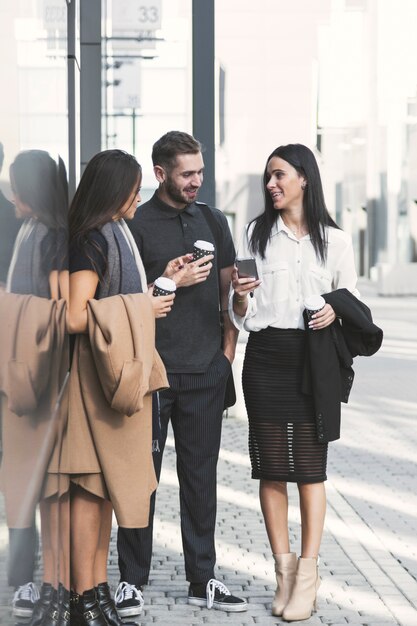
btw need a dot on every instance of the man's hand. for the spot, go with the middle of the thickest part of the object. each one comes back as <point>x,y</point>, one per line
<point>193,273</point>
<point>176,265</point>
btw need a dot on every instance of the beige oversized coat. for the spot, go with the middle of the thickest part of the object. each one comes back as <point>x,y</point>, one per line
<point>114,371</point>
<point>33,363</point>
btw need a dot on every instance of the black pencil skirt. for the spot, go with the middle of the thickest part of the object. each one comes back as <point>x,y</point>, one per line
<point>283,443</point>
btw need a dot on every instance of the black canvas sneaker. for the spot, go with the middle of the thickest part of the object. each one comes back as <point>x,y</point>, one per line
<point>128,600</point>
<point>24,600</point>
<point>215,595</point>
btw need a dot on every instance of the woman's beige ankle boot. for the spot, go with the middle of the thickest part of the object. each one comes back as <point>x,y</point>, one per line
<point>303,597</point>
<point>285,568</point>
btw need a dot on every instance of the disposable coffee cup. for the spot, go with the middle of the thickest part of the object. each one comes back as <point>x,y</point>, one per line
<point>313,304</point>
<point>202,248</point>
<point>163,286</point>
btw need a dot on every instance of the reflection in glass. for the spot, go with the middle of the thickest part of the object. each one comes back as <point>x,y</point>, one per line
<point>34,115</point>
<point>33,374</point>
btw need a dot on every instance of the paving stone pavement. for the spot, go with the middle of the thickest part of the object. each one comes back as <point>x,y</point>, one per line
<point>369,551</point>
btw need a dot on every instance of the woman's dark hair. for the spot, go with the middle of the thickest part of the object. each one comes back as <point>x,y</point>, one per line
<point>105,186</point>
<point>315,211</point>
<point>41,182</point>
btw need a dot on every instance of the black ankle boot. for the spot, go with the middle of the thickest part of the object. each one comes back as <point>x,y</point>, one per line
<point>41,606</point>
<point>64,606</point>
<point>73,603</point>
<point>106,603</point>
<point>51,616</point>
<point>87,610</point>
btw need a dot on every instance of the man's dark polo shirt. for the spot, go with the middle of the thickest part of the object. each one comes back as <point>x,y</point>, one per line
<point>189,337</point>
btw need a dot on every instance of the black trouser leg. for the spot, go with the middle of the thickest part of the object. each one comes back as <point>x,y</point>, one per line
<point>197,422</point>
<point>23,546</point>
<point>134,545</point>
<point>194,402</point>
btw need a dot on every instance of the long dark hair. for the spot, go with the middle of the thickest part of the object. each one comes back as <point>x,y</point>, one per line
<point>315,211</point>
<point>41,182</point>
<point>105,186</point>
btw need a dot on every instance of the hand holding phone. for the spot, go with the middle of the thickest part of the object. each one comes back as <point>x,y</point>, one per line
<point>246,268</point>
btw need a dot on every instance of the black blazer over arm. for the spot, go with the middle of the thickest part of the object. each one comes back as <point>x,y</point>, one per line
<point>328,373</point>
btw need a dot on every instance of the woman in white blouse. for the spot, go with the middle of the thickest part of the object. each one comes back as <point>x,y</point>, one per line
<point>299,252</point>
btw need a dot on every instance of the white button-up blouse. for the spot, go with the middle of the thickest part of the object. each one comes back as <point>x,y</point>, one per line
<point>289,273</point>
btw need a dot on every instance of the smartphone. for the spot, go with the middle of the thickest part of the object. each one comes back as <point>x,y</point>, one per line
<point>247,268</point>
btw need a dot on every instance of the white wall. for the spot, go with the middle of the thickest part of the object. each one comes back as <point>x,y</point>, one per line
<point>269,52</point>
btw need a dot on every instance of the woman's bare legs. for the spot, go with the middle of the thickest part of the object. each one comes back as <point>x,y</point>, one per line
<point>64,537</point>
<point>304,592</point>
<point>100,566</point>
<point>86,510</point>
<point>274,504</point>
<point>49,543</point>
<point>313,511</point>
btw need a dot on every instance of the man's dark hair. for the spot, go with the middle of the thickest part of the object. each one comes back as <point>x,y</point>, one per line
<point>170,145</point>
<point>1,155</point>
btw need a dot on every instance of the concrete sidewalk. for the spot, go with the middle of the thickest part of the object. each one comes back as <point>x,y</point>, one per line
<point>369,550</point>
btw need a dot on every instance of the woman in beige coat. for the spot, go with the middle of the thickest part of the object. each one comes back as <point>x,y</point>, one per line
<point>109,436</point>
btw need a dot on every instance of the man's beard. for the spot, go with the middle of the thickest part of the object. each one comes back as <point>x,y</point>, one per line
<point>175,193</point>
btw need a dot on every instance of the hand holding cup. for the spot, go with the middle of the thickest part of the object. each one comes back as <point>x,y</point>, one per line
<point>162,295</point>
<point>197,270</point>
<point>319,313</point>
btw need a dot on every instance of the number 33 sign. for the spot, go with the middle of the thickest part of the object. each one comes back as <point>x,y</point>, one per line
<point>136,15</point>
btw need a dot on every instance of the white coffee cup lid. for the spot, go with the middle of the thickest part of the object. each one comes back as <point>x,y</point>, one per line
<point>165,283</point>
<point>204,245</point>
<point>314,303</point>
